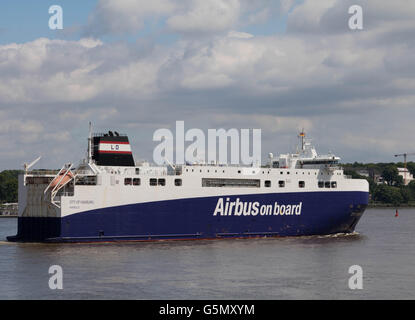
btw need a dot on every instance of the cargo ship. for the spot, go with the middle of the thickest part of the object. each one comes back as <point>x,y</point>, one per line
<point>110,197</point>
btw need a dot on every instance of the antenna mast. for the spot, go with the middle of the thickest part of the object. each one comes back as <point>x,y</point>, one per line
<point>302,136</point>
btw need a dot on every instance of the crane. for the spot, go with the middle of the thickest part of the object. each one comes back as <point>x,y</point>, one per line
<point>27,166</point>
<point>404,155</point>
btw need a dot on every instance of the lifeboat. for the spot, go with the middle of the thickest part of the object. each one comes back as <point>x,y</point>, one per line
<point>59,181</point>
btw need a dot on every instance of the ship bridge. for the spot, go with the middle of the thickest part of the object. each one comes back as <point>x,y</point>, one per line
<point>306,157</point>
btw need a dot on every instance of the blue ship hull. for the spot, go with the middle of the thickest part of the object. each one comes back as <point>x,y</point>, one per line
<point>322,213</point>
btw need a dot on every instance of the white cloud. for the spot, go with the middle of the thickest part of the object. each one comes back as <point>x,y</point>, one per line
<point>17,126</point>
<point>186,17</point>
<point>331,16</point>
<point>268,124</point>
<point>287,5</point>
<point>259,17</point>
<point>206,16</point>
<point>83,72</point>
<point>307,16</point>
<point>240,35</point>
<point>125,15</point>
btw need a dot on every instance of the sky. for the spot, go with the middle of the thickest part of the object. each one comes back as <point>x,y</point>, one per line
<point>138,66</point>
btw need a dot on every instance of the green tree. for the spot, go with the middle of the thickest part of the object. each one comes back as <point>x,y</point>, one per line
<point>406,194</point>
<point>411,188</point>
<point>411,167</point>
<point>388,194</point>
<point>391,176</point>
<point>8,185</point>
<point>353,174</point>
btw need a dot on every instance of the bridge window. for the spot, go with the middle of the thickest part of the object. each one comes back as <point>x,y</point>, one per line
<point>137,171</point>
<point>327,184</point>
<point>162,182</point>
<point>334,184</point>
<point>153,182</point>
<point>128,181</point>
<point>178,182</point>
<point>301,184</point>
<point>136,181</point>
<point>321,184</point>
<point>267,183</point>
<point>281,183</point>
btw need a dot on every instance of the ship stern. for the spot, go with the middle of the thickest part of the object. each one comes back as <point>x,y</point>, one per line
<point>38,219</point>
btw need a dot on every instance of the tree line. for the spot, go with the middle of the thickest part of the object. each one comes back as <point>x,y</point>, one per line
<point>392,189</point>
<point>8,185</point>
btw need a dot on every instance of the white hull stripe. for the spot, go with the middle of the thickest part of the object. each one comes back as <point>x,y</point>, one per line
<point>114,147</point>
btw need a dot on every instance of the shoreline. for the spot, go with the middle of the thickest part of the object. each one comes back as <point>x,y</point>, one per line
<point>390,205</point>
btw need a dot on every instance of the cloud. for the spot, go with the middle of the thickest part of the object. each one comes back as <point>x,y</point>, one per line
<point>206,16</point>
<point>268,124</point>
<point>42,70</point>
<point>327,17</point>
<point>47,70</point>
<point>125,16</point>
<point>185,17</point>
<point>192,18</point>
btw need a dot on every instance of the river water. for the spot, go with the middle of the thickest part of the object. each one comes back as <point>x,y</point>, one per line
<point>275,268</point>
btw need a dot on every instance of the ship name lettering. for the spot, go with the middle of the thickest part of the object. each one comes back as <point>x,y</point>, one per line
<point>225,207</point>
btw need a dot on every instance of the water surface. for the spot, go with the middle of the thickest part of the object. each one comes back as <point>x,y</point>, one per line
<point>278,268</point>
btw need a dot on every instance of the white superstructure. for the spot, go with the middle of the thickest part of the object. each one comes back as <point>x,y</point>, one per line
<point>92,186</point>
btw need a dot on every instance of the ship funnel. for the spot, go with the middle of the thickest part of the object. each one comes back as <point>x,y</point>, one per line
<point>112,150</point>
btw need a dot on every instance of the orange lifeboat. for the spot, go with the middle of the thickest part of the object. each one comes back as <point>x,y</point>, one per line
<point>61,181</point>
